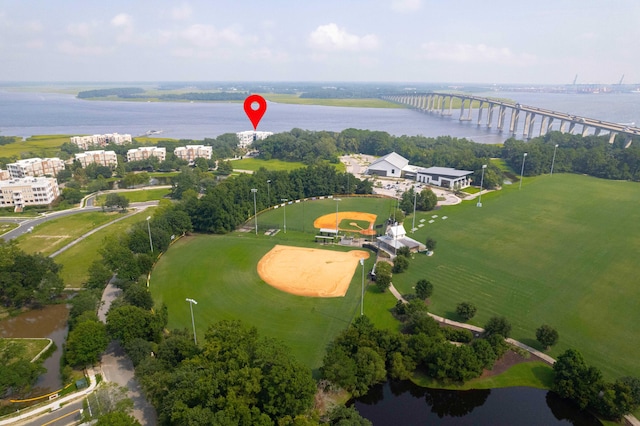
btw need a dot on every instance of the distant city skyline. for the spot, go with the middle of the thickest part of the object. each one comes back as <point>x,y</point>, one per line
<point>543,42</point>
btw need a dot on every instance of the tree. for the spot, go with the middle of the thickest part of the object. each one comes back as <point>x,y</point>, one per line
<point>424,289</point>
<point>427,200</point>
<point>347,416</point>
<point>400,264</point>
<point>547,336</point>
<point>466,310</point>
<point>431,244</point>
<point>499,326</point>
<point>383,276</point>
<point>225,167</point>
<point>117,418</point>
<point>85,343</point>
<point>575,380</point>
<point>116,200</point>
<point>129,322</point>
<point>138,295</point>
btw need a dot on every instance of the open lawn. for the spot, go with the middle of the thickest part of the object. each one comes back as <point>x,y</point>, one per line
<point>77,259</point>
<point>41,146</point>
<point>55,234</point>
<point>29,347</point>
<point>255,164</point>
<point>138,196</point>
<point>561,251</point>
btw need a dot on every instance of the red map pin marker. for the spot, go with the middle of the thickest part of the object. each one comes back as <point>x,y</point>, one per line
<point>255,115</point>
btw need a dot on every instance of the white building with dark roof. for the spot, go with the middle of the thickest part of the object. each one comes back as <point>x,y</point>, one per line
<point>396,238</point>
<point>248,137</point>
<point>85,142</point>
<point>445,177</point>
<point>191,152</point>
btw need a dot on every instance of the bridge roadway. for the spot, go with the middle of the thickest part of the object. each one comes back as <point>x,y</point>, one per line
<point>442,104</point>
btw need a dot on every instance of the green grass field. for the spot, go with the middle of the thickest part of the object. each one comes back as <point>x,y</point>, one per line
<point>55,234</point>
<point>138,196</point>
<point>561,251</point>
<point>255,164</point>
<point>42,146</point>
<point>77,259</point>
<point>30,347</point>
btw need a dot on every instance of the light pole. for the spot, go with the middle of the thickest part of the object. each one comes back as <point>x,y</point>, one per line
<point>269,191</point>
<point>149,228</point>
<point>413,224</point>
<point>484,166</point>
<point>524,157</point>
<point>362,296</point>
<point>554,158</point>
<point>337,200</point>
<point>255,210</point>
<point>193,324</point>
<point>284,209</point>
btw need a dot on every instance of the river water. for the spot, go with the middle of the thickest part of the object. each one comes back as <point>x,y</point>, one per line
<point>28,113</point>
<point>49,322</point>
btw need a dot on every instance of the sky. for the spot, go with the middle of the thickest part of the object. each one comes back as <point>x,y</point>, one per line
<point>430,41</point>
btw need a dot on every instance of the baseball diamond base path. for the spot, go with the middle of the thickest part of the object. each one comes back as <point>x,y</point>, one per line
<point>329,221</point>
<point>310,272</point>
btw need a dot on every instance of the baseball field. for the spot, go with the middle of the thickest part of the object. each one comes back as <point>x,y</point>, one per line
<point>561,251</point>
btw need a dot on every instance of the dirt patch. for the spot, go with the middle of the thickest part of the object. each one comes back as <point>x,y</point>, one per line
<point>310,272</point>
<point>329,221</point>
<point>508,360</point>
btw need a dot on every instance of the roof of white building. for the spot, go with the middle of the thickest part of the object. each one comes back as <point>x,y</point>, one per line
<point>443,171</point>
<point>396,160</point>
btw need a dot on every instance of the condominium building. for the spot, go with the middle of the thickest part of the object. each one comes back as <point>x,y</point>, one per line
<point>191,152</point>
<point>101,157</point>
<point>247,138</point>
<point>29,191</point>
<point>35,167</point>
<point>143,153</point>
<point>85,142</point>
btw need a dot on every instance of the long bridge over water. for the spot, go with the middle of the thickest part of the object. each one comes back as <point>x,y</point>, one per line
<point>499,111</point>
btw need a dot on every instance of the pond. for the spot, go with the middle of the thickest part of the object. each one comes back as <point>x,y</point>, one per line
<point>408,404</point>
<point>50,322</point>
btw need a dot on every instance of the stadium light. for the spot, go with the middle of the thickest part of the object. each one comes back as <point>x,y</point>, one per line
<point>269,191</point>
<point>554,158</point>
<point>337,199</point>
<point>524,157</point>
<point>362,296</point>
<point>484,166</point>
<point>191,303</point>
<point>255,210</point>
<point>284,209</point>
<point>149,229</point>
<point>413,223</point>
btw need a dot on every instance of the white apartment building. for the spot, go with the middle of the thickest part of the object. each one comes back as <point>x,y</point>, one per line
<point>143,153</point>
<point>85,142</point>
<point>35,167</point>
<point>191,152</point>
<point>4,175</point>
<point>101,157</point>
<point>28,191</point>
<point>248,137</point>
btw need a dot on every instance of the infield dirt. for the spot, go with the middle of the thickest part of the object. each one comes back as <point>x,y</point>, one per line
<point>310,272</point>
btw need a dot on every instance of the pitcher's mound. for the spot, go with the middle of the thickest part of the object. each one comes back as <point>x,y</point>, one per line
<point>310,272</point>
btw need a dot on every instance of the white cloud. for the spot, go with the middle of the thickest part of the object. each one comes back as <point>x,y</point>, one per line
<point>82,30</point>
<point>207,36</point>
<point>332,38</point>
<point>405,6</point>
<point>122,20</point>
<point>182,12</point>
<point>70,48</point>
<point>34,26</point>
<point>474,53</point>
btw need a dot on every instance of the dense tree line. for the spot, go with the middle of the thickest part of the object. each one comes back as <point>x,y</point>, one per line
<point>591,155</point>
<point>235,377</point>
<point>227,204</point>
<point>17,374</point>
<point>584,385</point>
<point>27,279</point>
<point>119,92</point>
